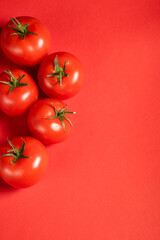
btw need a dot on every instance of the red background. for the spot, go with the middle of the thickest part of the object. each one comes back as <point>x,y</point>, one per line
<point>103,183</point>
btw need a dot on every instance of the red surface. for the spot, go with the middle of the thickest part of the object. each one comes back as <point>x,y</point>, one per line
<point>104,182</point>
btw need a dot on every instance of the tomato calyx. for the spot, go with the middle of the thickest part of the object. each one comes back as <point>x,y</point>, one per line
<point>21,30</point>
<point>59,72</point>
<point>61,115</point>
<point>14,83</point>
<point>15,153</point>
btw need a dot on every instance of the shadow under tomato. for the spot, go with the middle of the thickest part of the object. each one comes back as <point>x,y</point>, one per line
<point>6,63</point>
<point>5,188</point>
<point>13,126</point>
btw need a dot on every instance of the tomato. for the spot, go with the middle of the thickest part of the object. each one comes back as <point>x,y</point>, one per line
<point>25,40</point>
<point>23,161</point>
<point>18,91</point>
<point>49,121</point>
<point>60,75</point>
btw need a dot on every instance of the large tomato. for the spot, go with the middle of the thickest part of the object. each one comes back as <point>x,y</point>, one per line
<point>25,40</point>
<point>60,75</point>
<point>18,91</point>
<point>49,121</point>
<point>23,161</point>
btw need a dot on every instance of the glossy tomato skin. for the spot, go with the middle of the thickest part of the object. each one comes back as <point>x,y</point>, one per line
<point>48,131</point>
<point>28,51</point>
<point>26,171</point>
<point>71,84</point>
<point>21,98</point>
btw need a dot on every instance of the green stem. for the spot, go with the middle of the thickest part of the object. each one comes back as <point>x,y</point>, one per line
<point>15,153</point>
<point>60,78</point>
<point>14,83</point>
<point>21,30</point>
<point>61,115</point>
<point>59,72</point>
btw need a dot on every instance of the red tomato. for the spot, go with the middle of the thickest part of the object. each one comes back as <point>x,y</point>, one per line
<point>18,91</point>
<point>23,161</point>
<point>60,75</point>
<point>25,40</point>
<point>49,121</point>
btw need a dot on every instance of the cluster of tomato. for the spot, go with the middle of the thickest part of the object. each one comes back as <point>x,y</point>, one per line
<point>26,41</point>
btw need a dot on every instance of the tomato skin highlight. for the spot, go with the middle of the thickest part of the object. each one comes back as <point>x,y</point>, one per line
<point>25,172</point>
<point>71,84</point>
<point>21,98</point>
<point>28,51</point>
<point>48,131</point>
